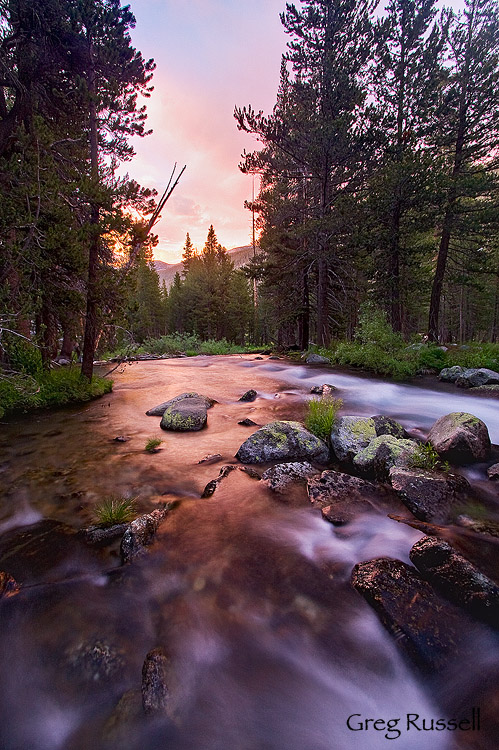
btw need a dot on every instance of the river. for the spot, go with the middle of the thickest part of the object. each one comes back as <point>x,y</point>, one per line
<point>248,594</point>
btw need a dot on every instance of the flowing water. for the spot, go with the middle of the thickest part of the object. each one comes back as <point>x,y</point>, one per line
<point>249,595</point>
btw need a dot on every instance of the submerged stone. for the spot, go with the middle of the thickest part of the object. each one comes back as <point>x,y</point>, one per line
<point>140,534</point>
<point>249,395</point>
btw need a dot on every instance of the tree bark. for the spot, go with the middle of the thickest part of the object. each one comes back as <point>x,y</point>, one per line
<point>323,333</point>
<point>91,322</point>
<point>304,319</point>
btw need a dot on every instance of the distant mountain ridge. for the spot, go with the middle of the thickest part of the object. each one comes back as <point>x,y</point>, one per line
<point>166,271</point>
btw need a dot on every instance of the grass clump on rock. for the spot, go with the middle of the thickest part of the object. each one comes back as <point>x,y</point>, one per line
<point>426,457</point>
<point>115,510</point>
<point>321,415</point>
<point>152,445</point>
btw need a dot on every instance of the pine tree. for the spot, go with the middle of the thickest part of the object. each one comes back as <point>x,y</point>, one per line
<point>318,124</point>
<point>469,137</point>
<point>407,75</point>
<point>188,254</point>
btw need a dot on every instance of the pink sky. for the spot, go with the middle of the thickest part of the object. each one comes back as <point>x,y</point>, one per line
<point>211,55</point>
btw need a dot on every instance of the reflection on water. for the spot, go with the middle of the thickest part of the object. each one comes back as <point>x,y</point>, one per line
<point>270,647</point>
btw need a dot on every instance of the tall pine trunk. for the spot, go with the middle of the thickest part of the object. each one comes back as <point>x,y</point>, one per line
<point>91,321</point>
<point>323,334</point>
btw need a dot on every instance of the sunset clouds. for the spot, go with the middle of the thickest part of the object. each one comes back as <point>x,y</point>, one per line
<point>211,55</point>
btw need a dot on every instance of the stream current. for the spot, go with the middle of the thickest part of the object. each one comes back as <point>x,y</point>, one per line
<point>248,593</point>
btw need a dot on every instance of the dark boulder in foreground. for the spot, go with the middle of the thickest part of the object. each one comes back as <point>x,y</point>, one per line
<point>460,438</point>
<point>456,578</point>
<point>187,415</point>
<point>430,630</point>
<point>283,441</point>
<point>159,410</point>
<point>429,495</point>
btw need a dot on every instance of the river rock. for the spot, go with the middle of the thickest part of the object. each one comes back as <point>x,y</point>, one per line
<point>430,630</point>
<point>341,496</point>
<point>100,536</point>
<point>249,395</point>
<point>456,578</point>
<point>429,495</point>
<point>474,377</point>
<point>187,415</point>
<point>350,435</point>
<point>283,441</point>
<point>155,690</point>
<point>493,471</point>
<point>492,391</point>
<point>317,359</point>
<point>278,477</point>
<point>460,438</point>
<point>211,459</point>
<point>213,483</point>
<point>450,374</point>
<point>382,453</point>
<point>326,389</point>
<point>95,661</point>
<point>8,585</point>
<point>140,534</point>
<point>388,426</point>
<point>247,423</point>
<point>159,410</point>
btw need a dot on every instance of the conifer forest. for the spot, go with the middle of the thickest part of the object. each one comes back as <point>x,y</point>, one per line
<point>377,166</point>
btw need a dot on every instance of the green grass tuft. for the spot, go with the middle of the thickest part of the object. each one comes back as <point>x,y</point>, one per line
<point>114,510</point>
<point>321,415</point>
<point>426,457</point>
<point>152,445</point>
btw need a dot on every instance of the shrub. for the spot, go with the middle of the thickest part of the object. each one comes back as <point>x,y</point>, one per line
<point>114,510</point>
<point>24,357</point>
<point>321,414</point>
<point>432,357</point>
<point>58,388</point>
<point>152,445</point>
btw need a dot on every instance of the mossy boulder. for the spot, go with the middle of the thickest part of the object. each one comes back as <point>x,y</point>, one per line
<point>451,374</point>
<point>187,415</point>
<point>350,435</point>
<point>283,441</point>
<point>388,426</point>
<point>317,359</point>
<point>474,377</point>
<point>460,438</point>
<point>382,453</point>
<point>159,410</point>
